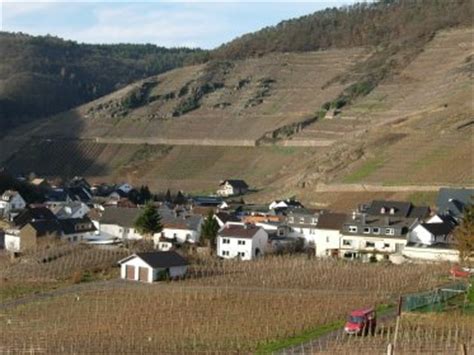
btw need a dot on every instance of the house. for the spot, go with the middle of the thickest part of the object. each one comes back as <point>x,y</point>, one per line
<point>327,236</point>
<point>34,213</point>
<point>11,201</point>
<point>224,218</point>
<point>303,223</point>
<point>164,244</point>
<point>379,229</point>
<point>452,201</point>
<point>153,266</point>
<point>116,222</point>
<point>431,233</point>
<point>284,204</point>
<point>65,210</point>
<point>246,242</point>
<point>77,229</point>
<point>232,187</point>
<point>183,228</point>
<point>29,236</point>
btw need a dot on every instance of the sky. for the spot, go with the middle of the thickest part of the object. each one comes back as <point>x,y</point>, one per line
<point>165,23</point>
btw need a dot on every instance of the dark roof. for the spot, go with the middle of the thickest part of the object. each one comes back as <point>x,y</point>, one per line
<point>237,231</point>
<point>438,228</point>
<point>162,259</point>
<point>207,200</point>
<point>34,214</point>
<point>124,217</point>
<point>46,227</point>
<point>227,217</point>
<point>239,184</point>
<point>76,225</point>
<point>452,201</point>
<point>399,208</point>
<point>333,221</point>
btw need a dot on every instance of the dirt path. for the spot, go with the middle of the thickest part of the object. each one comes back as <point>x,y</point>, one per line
<point>377,188</point>
<point>322,343</point>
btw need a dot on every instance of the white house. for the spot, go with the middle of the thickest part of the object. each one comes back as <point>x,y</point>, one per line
<point>224,218</point>
<point>12,240</point>
<point>430,233</point>
<point>232,188</point>
<point>11,201</point>
<point>66,210</point>
<point>117,222</point>
<point>327,237</point>
<point>153,266</point>
<point>245,242</point>
<point>182,229</point>
<point>77,229</point>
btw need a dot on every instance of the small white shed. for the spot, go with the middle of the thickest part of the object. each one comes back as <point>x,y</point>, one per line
<point>153,266</point>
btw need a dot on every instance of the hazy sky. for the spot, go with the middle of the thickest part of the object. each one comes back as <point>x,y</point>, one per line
<point>166,23</point>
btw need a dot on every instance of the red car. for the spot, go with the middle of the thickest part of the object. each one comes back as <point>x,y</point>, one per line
<point>361,321</point>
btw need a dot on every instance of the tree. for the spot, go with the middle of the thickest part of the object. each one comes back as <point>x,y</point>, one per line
<point>149,221</point>
<point>210,228</point>
<point>168,196</point>
<point>464,234</point>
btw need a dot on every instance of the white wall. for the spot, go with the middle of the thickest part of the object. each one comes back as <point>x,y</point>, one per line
<point>249,248</point>
<point>12,242</point>
<point>359,243</point>
<point>431,254</point>
<point>325,240</point>
<point>116,231</point>
<point>136,262</point>
<point>181,235</point>
<point>420,235</point>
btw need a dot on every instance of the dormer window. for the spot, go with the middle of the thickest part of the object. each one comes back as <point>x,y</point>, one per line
<point>392,210</point>
<point>382,210</point>
<point>353,229</point>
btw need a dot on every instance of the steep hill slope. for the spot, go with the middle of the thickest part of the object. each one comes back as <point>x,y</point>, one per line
<point>40,76</point>
<point>235,102</point>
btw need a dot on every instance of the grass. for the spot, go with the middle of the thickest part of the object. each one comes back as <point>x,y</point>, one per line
<point>367,169</point>
<point>308,335</point>
<point>301,338</point>
<point>14,290</point>
<point>426,198</point>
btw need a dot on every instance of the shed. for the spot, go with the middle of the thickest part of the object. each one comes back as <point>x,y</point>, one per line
<point>153,266</point>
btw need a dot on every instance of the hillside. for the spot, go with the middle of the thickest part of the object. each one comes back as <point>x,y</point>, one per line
<point>402,116</point>
<point>41,76</point>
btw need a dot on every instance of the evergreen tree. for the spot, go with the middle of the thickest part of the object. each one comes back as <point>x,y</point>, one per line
<point>149,221</point>
<point>180,199</point>
<point>210,228</point>
<point>464,234</point>
<point>168,196</point>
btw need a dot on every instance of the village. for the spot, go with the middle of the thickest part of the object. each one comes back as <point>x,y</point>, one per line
<point>223,226</point>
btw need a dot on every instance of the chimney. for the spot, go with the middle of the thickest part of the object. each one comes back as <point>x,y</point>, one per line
<point>387,221</point>
<point>362,218</point>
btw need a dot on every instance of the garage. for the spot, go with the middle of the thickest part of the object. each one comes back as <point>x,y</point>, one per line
<point>153,266</point>
<point>143,274</point>
<point>130,272</point>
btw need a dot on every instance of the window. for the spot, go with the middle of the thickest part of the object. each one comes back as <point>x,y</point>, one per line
<point>241,242</point>
<point>225,253</point>
<point>386,245</point>
<point>366,230</point>
<point>314,221</point>
<point>389,231</point>
<point>241,254</point>
<point>301,219</point>
<point>369,244</point>
<point>347,242</point>
<point>353,229</point>
<point>327,239</point>
<point>376,230</point>
<point>225,241</point>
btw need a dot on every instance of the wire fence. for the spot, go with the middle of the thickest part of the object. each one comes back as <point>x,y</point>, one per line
<point>434,298</point>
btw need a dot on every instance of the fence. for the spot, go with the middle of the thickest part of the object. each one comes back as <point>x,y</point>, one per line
<point>433,298</point>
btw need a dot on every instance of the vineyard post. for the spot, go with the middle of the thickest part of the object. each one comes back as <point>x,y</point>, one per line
<point>389,349</point>
<point>397,325</point>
